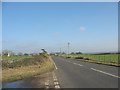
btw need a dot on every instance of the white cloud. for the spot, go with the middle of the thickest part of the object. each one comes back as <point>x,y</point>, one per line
<point>82,29</point>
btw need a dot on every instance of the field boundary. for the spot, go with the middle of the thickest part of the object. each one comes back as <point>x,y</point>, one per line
<point>91,61</point>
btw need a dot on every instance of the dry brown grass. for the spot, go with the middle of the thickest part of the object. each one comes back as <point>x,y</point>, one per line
<point>26,71</point>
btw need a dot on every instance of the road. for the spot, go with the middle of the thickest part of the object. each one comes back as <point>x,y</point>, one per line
<point>78,74</point>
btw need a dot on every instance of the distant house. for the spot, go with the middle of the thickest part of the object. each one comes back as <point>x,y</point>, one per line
<point>8,55</point>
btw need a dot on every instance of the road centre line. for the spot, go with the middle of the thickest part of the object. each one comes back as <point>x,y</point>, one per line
<point>77,64</point>
<point>80,65</point>
<point>99,71</point>
<point>105,73</point>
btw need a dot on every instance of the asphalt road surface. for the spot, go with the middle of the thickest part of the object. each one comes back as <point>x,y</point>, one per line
<point>78,74</point>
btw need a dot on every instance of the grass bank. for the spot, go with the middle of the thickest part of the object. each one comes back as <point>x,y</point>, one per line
<point>16,57</point>
<point>27,67</point>
<point>109,59</point>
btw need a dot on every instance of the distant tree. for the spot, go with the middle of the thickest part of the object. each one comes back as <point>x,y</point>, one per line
<point>78,53</point>
<point>26,54</point>
<point>72,53</point>
<point>32,54</point>
<point>5,52</point>
<point>20,53</point>
<point>44,51</point>
<point>63,53</point>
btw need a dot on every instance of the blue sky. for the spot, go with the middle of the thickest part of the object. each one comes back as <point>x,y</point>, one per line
<point>89,27</point>
<point>0,27</point>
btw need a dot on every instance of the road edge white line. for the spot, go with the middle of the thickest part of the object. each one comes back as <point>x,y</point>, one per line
<point>105,73</point>
<point>56,83</point>
<point>55,65</point>
<point>47,84</point>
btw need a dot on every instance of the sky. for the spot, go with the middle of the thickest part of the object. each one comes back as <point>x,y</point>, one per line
<point>60,0</point>
<point>0,27</point>
<point>88,27</point>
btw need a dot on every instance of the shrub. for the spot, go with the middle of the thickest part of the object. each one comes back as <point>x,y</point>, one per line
<point>35,60</point>
<point>78,57</point>
<point>85,58</point>
<point>68,57</point>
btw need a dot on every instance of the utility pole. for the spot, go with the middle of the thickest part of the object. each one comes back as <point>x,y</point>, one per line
<point>60,50</point>
<point>68,48</point>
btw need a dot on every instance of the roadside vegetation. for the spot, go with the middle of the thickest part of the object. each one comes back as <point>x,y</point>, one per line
<point>103,58</point>
<point>24,66</point>
<point>16,57</point>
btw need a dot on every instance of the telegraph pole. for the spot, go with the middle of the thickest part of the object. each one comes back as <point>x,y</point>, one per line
<point>60,51</point>
<point>68,48</point>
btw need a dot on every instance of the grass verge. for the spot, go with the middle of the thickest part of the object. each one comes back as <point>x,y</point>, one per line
<point>18,73</point>
<point>107,59</point>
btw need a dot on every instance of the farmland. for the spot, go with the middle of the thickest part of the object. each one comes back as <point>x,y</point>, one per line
<point>112,59</point>
<point>15,57</point>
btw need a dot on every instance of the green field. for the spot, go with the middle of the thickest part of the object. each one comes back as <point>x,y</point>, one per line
<point>101,58</point>
<point>25,60</point>
<point>15,57</point>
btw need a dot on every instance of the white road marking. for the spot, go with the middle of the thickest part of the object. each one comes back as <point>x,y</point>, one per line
<point>80,65</point>
<point>56,84</point>
<point>55,79</point>
<point>105,73</point>
<point>77,64</point>
<point>67,61</point>
<point>47,84</point>
<point>47,87</point>
<point>57,87</point>
<point>55,65</point>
